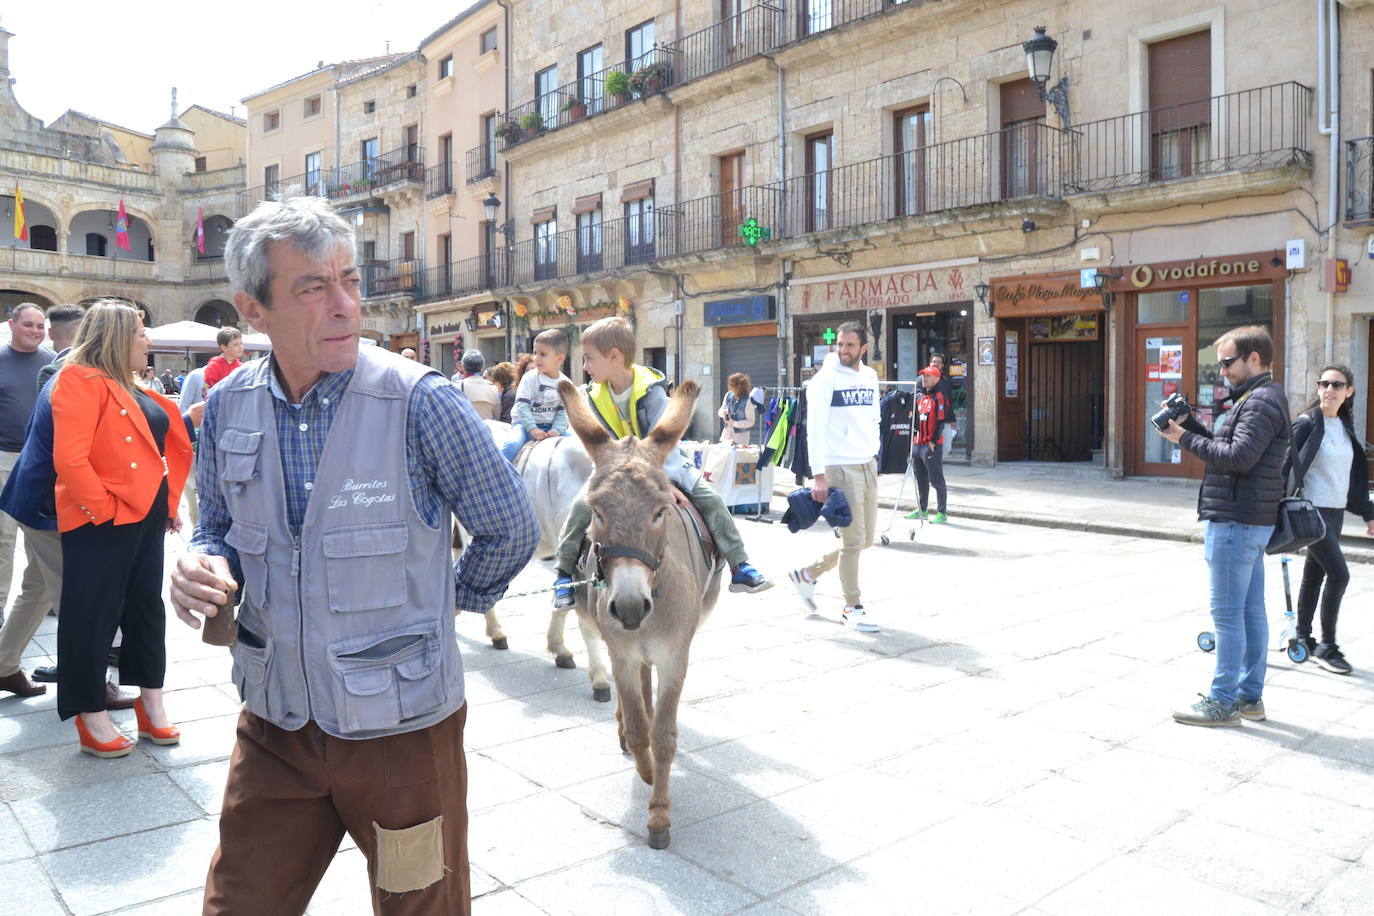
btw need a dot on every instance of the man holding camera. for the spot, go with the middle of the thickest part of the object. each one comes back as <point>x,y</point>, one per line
<point>1239,501</point>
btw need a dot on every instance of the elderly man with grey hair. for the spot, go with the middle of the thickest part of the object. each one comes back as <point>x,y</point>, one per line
<point>485,396</point>
<point>327,476</point>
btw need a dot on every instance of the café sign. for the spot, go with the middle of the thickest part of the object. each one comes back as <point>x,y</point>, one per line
<point>1045,294</point>
<point>881,291</point>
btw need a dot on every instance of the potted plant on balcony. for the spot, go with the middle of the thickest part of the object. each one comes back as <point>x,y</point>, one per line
<point>575,108</point>
<point>508,132</point>
<point>618,87</point>
<point>533,124</point>
<point>650,79</point>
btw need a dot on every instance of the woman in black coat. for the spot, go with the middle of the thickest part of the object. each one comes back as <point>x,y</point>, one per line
<point>1327,461</point>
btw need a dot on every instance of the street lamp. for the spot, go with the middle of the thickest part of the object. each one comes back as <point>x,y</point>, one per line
<point>982,290</point>
<point>492,206</point>
<point>1039,59</point>
<point>1102,280</point>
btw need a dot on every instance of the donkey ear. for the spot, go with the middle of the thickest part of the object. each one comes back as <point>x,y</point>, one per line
<point>663,438</point>
<point>594,436</point>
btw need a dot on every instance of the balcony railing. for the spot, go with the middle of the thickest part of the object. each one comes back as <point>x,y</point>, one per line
<point>208,269</point>
<point>313,184</point>
<point>464,278</point>
<point>482,163</point>
<point>392,278</point>
<point>754,31</point>
<point>587,97</point>
<point>594,247</point>
<point>1018,161</point>
<point>130,181</point>
<point>812,17</point>
<point>375,173</point>
<point>1239,131</point>
<point>1359,180</point>
<point>235,176</point>
<point>438,180</point>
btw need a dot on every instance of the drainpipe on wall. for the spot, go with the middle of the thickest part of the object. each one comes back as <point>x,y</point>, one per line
<point>1329,107</point>
<point>785,271</point>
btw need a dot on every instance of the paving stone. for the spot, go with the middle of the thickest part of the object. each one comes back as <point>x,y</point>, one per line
<point>1151,779</point>
<point>509,720</point>
<point>102,810</point>
<point>1135,888</point>
<point>63,766</point>
<point>763,765</point>
<point>135,868</point>
<point>635,881</point>
<point>796,849</point>
<point>881,883</point>
<point>14,706</point>
<point>199,702</point>
<point>574,703</point>
<point>491,783</point>
<point>479,882</point>
<point>204,783</point>
<point>530,675</point>
<point>26,732</point>
<point>1239,752</point>
<point>1349,894</point>
<point>202,740</point>
<point>1105,816</point>
<point>177,905</point>
<point>961,769</point>
<point>1295,815</point>
<point>536,835</point>
<point>964,847</point>
<point>623,799</point>
<point>877,807</point>
<point>26,890</point>
<point>504,903</point>
<point>345,889</point>
<point>1241,861</point>
<point>562,758</point>
<point>1031,744</point>
<point>14,845</point>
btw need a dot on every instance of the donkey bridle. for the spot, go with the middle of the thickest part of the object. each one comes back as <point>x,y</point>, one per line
<point>604,551</point>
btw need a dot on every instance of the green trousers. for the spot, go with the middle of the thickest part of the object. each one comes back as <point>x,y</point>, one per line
<point>708,502</point>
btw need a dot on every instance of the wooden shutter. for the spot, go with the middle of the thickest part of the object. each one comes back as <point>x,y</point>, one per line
<point>587,203</point>
<point>1180,70</point>
<point>1021,101</point>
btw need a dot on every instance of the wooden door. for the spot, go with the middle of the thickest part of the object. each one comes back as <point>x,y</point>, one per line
<point>731,209</point>
<point>1023,112</point>
<point>1011,384</point>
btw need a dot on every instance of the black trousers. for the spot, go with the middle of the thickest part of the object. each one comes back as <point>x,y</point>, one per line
<point>1324,560</point>
<point>111,579</point>
<point>929,464</point>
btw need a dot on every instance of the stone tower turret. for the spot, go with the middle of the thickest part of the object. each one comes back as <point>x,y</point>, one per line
<point>174,148</point>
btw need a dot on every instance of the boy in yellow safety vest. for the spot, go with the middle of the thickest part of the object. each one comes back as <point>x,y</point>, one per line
<point>628,399</point>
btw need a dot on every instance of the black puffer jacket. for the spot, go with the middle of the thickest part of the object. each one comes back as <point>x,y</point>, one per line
<point>1305,447</point>
<point>1244,478</point>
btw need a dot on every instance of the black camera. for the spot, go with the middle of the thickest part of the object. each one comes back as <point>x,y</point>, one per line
<point>1176,408</point>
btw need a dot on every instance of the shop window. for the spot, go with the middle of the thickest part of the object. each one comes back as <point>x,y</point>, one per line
<point>1161,308</point>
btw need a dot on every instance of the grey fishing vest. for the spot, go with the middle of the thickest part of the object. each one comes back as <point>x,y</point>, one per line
<point>349,625</point>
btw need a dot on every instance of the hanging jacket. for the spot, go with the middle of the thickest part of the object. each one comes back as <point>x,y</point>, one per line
<point>894,411</point>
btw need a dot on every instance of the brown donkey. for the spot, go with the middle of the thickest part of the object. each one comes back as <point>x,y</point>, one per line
<point>659,585</point>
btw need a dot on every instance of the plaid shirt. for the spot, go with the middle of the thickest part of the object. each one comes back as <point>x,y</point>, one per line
<point>451,460</point>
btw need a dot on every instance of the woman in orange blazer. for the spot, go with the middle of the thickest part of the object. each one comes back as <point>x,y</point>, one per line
<point>121,454</point>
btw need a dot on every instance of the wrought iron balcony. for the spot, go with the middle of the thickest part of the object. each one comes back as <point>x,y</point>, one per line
<point>736,38</point>
<point>377,173</point>
<point>465,278</point>
<point>587,97</point>
<point>312,184</point>
<point>1240,131</point>
<point>482,163</point>
<point>594,247</point>
<point>1359,180</point>
<point>438,180</point>
<point>399,277</point>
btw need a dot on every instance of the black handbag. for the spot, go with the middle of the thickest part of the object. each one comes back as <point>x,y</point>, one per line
<point>1298,525</point>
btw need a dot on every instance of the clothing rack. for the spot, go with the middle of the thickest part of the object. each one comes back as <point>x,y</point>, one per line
<point>761,506</point>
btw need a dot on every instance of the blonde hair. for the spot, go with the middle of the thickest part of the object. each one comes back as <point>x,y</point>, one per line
<point>609,334</point>
<point>104,339</point>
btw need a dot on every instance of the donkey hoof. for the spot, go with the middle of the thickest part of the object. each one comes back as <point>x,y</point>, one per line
<point>658,839</point>
<point>601,694</point>
<point>501,643</point>
<point>564,661</point>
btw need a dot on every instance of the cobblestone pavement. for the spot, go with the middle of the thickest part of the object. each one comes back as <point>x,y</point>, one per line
<point>1002,746</point>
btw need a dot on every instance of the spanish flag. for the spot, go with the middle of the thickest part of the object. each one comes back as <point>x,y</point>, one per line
<point>21,226</point>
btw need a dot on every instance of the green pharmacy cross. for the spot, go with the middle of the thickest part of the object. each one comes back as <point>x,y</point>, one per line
<point>753,233</point>
<point>829,337</point>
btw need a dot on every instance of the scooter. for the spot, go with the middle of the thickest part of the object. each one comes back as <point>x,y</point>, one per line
<point>1288,639</point>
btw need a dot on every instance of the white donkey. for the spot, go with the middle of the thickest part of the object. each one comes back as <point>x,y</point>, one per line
<point>553,471</point>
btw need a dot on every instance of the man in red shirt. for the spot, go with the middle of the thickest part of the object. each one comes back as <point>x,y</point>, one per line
<point>230,357</point>
<point>927,444</point>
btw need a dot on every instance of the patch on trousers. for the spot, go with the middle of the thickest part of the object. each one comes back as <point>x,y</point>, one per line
<point>411,858</point>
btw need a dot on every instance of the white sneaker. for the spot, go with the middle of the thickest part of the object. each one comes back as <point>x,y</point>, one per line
<point>806,588</point>
<point>855,616</point>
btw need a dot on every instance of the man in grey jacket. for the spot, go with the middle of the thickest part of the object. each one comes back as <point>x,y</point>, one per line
<point>1239,501</point>
<point>327,479</point>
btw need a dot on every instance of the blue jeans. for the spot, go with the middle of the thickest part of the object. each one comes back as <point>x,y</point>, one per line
<point>1235,564</point>
<point>519,435</point>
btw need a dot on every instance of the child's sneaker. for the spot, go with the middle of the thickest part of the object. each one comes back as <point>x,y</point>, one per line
<point>918,516</point>
<point>563,593</point>
<point>748,579</point>
<point>806,587</point>
<point>855,616</point>
<point>939,518</point>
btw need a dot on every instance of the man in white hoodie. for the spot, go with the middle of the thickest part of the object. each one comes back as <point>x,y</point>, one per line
<point>842,440</point>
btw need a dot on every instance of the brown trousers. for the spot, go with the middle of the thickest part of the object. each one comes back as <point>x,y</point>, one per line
<point>291,796</point>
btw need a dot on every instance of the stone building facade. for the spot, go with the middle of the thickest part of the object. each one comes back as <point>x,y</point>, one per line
<point>73,176</point>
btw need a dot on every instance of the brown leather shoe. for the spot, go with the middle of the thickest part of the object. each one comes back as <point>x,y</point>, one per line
<point>116,698</point>
<point>19,684</point>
